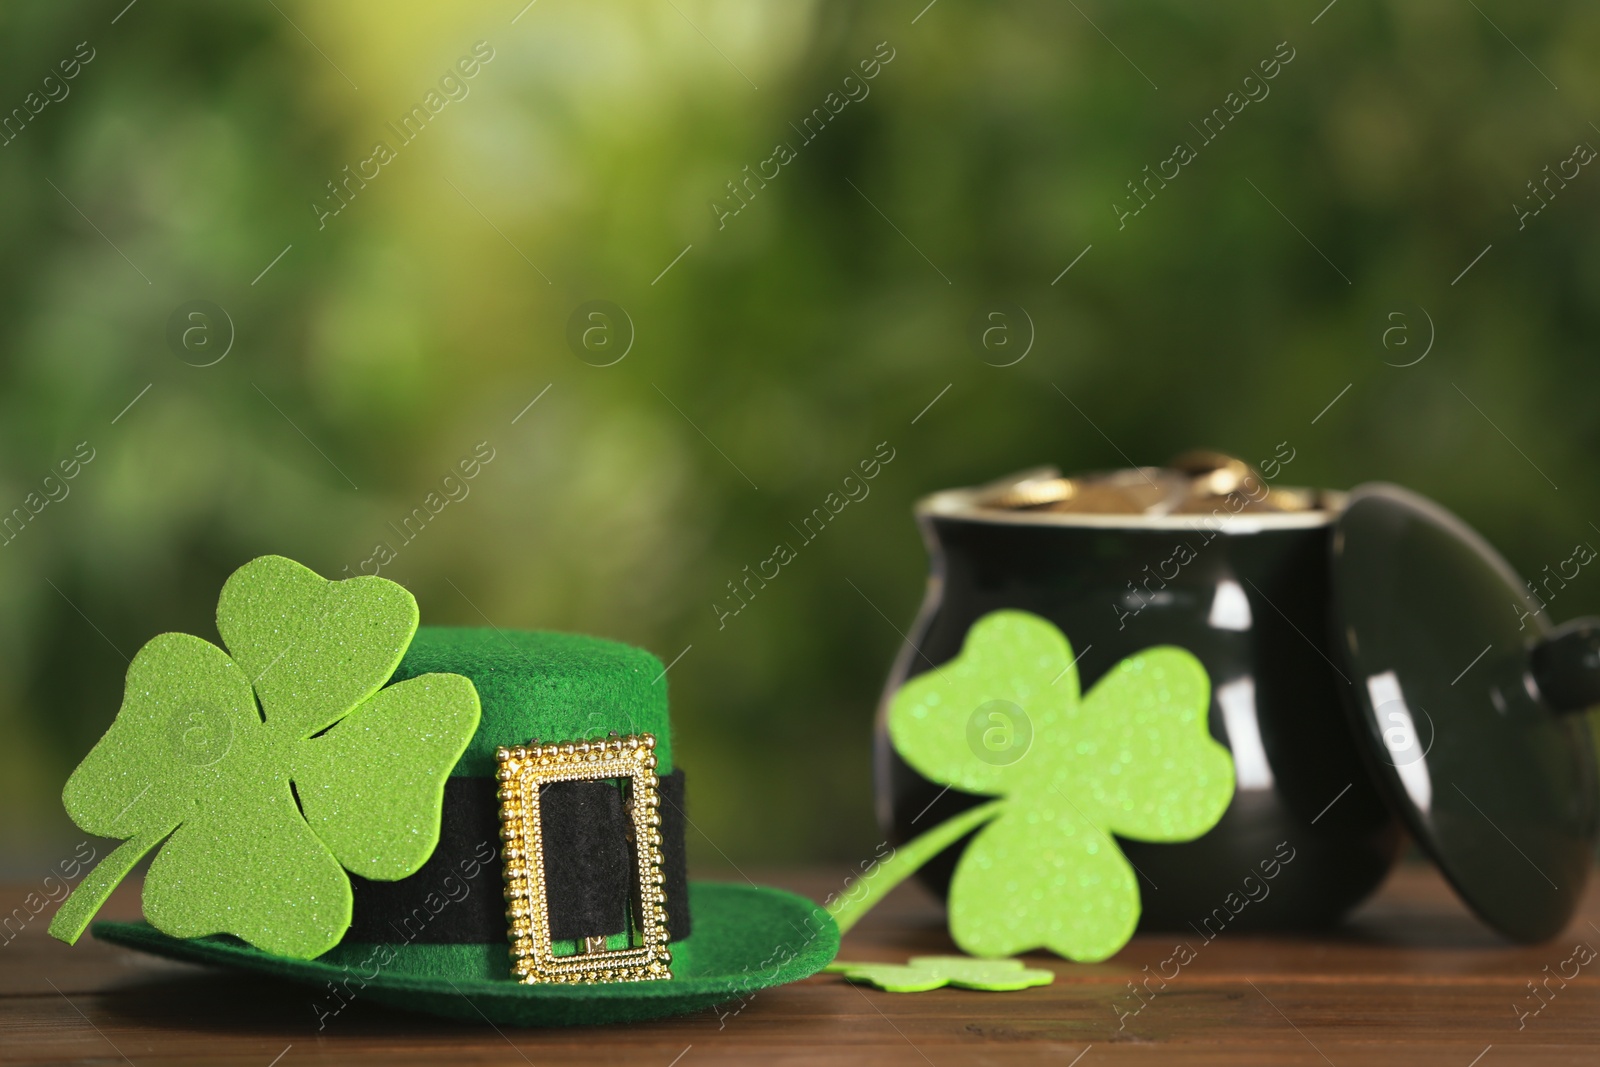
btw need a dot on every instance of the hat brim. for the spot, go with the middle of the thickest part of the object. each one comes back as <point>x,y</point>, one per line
<point>745,938</point>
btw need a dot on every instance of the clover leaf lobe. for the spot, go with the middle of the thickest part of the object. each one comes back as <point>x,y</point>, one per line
<point>312,648</point>
<point>372,785</point>
<point>1045,879</point>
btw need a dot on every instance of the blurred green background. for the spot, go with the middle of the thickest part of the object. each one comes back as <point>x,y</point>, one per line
<point>771,350</point>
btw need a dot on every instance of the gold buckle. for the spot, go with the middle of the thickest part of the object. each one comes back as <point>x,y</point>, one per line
<point>522,772</point>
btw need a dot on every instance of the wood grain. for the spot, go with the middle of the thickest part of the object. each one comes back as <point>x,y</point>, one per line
<point>1412,979</point>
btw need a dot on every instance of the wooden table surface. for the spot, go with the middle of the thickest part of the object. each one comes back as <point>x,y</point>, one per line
<point>1412,979</point>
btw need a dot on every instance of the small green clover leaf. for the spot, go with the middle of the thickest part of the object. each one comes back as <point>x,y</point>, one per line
<point>1133,758</point>
<point>270,769</point>
<point>922,973</point>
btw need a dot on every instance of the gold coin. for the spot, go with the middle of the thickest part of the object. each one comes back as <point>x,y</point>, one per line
<point>1196,482</point>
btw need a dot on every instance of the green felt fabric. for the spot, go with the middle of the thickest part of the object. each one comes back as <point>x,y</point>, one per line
<point>923,973</point>
<point>546,686</point>
<point>227,762</point>
<point>313,649</point>
<point>1134,757</point>
<point>746,939</point>
<point>372,786</point>
<point>475,960</point>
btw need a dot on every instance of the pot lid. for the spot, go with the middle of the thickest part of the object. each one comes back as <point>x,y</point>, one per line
<point>1470,705</point>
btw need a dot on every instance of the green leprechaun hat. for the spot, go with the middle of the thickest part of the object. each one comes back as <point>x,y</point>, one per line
<point>466,822</point>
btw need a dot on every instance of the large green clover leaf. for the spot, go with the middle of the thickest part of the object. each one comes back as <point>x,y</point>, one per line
<point>270,769</point>
<point>1133,758</point>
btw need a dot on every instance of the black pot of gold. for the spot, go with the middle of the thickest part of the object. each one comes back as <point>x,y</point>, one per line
<point>1375,668</point>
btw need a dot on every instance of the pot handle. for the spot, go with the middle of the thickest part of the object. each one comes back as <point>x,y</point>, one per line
<point>1566,666</point>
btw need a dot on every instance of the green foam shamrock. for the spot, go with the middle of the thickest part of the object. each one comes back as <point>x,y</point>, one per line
<point>922,973</point>
<point>269,769</point>
<point>1133,757</point>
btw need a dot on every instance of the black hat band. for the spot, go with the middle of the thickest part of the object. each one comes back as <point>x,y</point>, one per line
<point>456,898</point>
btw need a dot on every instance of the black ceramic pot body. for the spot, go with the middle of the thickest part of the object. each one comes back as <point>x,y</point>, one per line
<point>1248,595</point>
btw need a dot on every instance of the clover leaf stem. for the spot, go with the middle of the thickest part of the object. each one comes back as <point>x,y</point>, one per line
<point>72,918</point>
<point>848,909</point>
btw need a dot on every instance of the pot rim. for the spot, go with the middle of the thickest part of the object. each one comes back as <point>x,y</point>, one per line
<point>972,504</point>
